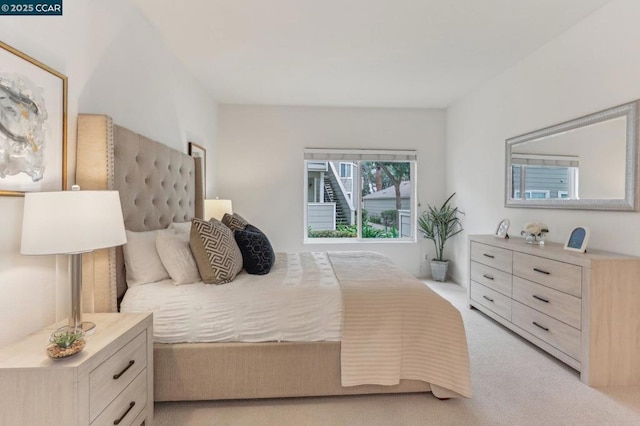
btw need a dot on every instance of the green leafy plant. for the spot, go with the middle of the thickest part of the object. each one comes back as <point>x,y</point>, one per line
<point>65,339</point>
<point>438,224</point>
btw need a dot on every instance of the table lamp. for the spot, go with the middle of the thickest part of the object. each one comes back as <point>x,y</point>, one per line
<point>217,208</point>
<point>72,222</point>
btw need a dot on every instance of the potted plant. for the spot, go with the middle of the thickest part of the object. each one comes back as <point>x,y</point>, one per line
<point>65,342</point>
<point>438,225</point>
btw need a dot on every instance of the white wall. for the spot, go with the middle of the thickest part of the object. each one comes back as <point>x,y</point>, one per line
<point>261,166</point>
<point>593,66</point>
<point>116,65</point>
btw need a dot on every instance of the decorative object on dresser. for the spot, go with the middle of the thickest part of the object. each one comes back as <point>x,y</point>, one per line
<point>72,222</point>
<point>580,308</point>
<point>438,225</point>
<point>109,382</point>
<point>217,208</point>
<point>503,228</point>
<point>578,239</point>
<point>33,125</point>
<point>534,233</point>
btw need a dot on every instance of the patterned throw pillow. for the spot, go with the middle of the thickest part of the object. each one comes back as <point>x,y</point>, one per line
<point>257,254</point>
<point>234,221</point>
<point>217,255</point>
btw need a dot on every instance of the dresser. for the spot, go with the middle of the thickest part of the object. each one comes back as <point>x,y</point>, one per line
<point>109,383</point>
<point>582,308</point>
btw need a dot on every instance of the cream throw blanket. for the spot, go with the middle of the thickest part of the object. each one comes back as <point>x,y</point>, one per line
<point>395,327</point>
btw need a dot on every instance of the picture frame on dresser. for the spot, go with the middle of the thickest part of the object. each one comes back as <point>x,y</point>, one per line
<point>578,239</point>
<point>503,228</point>
<point>33,125</point>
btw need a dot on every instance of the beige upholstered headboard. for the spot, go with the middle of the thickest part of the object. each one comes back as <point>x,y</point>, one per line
<point>157,185</point>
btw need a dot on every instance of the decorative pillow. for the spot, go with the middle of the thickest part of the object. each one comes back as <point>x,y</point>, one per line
<point>234,221</point>
<point>177,258</point>
<point>181,228</point>
<point>217,255</point>
<point>257,254</point>
<point>141,259</point>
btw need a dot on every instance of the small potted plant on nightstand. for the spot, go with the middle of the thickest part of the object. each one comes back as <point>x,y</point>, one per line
<point>438,225</point>
<point>65,342</point>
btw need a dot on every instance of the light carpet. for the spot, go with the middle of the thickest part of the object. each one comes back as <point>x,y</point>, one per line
<point>514,383</point>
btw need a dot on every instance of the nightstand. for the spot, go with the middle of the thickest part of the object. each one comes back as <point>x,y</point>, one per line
<point>109,382</point>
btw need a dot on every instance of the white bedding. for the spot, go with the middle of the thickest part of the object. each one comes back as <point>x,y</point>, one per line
<point>299,300</point>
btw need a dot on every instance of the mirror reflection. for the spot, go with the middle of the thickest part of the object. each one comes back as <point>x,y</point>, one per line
<point>589,163</point>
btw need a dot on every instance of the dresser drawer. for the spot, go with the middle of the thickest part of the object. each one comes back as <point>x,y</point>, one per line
<point>112,376</point>
<point>552,331</point>
<point>127,406</point>
<point>558,275</point>
<point>491,256</point>
<point>491,299</point>
<point>490,277</point>
<point>556,304</point>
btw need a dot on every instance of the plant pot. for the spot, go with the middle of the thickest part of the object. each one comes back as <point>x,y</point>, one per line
<point>439,269</point>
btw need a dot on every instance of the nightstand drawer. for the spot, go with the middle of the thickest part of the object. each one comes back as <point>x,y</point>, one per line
<point>495,257</point>
<point>558,275</point>
<point>126,407</point>
<point>490,277</point>
<point>110,378</point>
<point>556,304</point>
<point>490,299</point>
<point>552,331</point>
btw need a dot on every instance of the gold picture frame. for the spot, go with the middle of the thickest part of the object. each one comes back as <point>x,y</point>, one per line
<point>33,125</point>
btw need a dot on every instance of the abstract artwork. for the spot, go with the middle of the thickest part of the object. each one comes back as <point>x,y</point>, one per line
<point>33,129</point>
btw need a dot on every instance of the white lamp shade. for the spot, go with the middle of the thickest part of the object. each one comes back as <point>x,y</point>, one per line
<point>217,208</point>
<point>65,222</point>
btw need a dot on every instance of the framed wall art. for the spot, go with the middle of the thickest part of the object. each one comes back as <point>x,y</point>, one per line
<point>198,151</point>
<point>33,125</point>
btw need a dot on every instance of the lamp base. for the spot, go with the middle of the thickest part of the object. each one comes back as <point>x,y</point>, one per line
<point>88,327</point>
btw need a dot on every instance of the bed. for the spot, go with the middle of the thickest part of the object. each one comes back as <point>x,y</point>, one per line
<point>158,186</point>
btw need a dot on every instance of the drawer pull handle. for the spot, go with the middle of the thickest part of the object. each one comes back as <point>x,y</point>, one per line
<point>541,326</point>
<point>542,299</point>
<point>490,256</point>
<point>489,277</point>
<point>131,405</point>
<point>117,376</point>
<point>488,298</point>
<point>541,271</point>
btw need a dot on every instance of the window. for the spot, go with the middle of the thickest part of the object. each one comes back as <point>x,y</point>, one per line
<point>345,170</point>
<point>544,176</point>
<point>359,195</point>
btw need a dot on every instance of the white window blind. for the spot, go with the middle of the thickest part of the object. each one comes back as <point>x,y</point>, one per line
<point>545,160</point>
<point>326,154</point>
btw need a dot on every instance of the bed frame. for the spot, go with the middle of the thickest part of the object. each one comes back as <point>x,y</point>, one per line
<point>159,185</point>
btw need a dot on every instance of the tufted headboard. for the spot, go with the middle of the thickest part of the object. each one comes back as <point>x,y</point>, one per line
<point>157,185</point>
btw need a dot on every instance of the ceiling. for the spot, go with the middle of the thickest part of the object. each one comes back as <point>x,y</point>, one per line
<point>367,53</point>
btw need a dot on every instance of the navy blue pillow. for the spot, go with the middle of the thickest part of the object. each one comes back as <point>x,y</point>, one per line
<point>257,254</point>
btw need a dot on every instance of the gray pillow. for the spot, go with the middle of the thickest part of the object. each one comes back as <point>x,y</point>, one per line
<point>217,255</point>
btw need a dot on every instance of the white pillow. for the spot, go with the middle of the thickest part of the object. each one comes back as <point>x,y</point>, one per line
<point>177,258</point>
<point>182,229</point>
<point>141,259</point>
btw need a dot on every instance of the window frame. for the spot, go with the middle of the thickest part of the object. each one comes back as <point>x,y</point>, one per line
<point>359,203</point>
